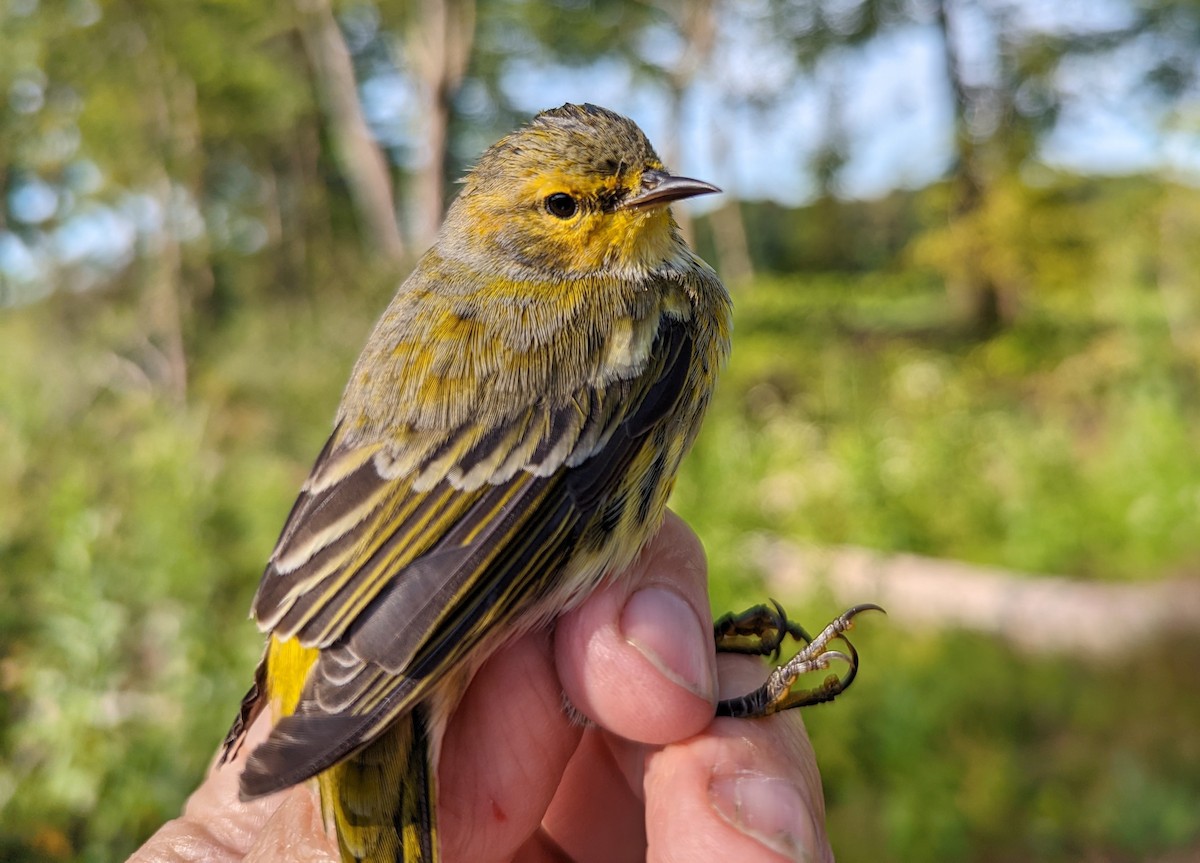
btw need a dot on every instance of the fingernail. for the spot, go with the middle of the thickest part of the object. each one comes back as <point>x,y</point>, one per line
<point>665,629</point>
<point>769,810</point>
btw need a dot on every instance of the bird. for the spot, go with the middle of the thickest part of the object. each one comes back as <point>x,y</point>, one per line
<point>505,445</point>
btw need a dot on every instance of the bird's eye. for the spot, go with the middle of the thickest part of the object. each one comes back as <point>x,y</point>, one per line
<point>560,205</point>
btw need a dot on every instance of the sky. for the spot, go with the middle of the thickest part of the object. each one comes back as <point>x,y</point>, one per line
<point>894,108</point>
<point>766,150</point>
<point>890,100</point>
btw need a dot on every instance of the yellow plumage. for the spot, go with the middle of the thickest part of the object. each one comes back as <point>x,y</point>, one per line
<point>507,439</point>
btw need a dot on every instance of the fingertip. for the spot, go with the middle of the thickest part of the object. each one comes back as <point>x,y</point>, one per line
<point>637,657</point>
<point>664,628</point>
<point>770,810</point>
<point>737,791</point>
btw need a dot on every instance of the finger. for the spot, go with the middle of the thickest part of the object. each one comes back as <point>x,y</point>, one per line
<point>637,656</point>
<point>295,833</point>
<point>504,753</point>
<point>743,790</point>
<point>217,826</point>
<point>596,817</point>
<point>542,849</point>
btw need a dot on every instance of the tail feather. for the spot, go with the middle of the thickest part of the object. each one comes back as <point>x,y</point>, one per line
<point>253,703</point>
<point>382,799</point>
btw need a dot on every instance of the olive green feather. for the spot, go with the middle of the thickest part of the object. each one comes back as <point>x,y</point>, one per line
<point>507,440</point>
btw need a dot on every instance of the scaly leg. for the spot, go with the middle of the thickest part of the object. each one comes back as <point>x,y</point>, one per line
<point>760,631</point>
<point>757,631</point>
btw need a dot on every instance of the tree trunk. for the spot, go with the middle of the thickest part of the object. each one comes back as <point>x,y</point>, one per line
<point>979,296</point>
<point>440,46</point>
<point>696,21</point>
<point>362,163</point>
<point>1178,261</point>
<point>162,299</point>
<point>733,250</point>
<point>728,227</point>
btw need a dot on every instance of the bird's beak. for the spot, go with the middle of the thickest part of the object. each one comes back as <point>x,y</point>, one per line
<point>659,187</point>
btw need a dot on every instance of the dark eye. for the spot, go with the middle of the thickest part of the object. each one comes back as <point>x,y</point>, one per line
<point>560,205</point>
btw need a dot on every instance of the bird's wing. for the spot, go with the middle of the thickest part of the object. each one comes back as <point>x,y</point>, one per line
<point>396,585</point>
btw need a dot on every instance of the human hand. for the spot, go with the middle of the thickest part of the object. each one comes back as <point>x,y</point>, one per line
<point>654,778</point>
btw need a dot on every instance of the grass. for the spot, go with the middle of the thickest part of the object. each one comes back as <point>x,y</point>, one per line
<point>850,414</point>
<point>134,533</point>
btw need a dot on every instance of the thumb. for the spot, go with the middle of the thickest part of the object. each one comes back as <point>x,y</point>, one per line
<point>217,826</point>
<point>637,657</point>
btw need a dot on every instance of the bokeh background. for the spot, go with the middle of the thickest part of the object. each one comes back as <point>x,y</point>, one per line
<point>962,237</point>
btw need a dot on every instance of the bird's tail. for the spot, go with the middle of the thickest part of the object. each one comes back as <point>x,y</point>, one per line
<point>382,799</point>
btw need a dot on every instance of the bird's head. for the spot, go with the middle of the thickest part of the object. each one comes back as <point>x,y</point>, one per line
<point>578,192</point>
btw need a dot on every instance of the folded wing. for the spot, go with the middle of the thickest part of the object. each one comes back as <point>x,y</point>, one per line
<point>397,574</point>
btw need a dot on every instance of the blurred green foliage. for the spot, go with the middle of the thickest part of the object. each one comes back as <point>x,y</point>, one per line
<point>131,533</point>
<point>135,527</point>
<point>1063,445</point>
<point>852,413</point>
<point>184,284</point>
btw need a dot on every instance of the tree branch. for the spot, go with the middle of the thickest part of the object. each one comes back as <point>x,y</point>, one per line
<point>362,163</point>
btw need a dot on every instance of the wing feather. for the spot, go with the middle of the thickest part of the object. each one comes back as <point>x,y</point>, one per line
<point>418,582</point>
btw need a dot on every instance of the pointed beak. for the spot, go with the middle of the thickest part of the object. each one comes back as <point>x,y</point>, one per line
<point>659,187</point>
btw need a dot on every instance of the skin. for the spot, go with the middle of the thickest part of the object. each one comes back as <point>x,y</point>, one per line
<point>508,437</point>
<point>654,777</point>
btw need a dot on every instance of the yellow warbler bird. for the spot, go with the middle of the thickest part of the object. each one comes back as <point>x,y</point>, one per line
<point>507,440</point>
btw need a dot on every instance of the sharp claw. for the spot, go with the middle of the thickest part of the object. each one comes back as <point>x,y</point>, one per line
<point>781,627</point>
<point>854,611</point>
<point>835,656</point>
<point>776,694</point>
